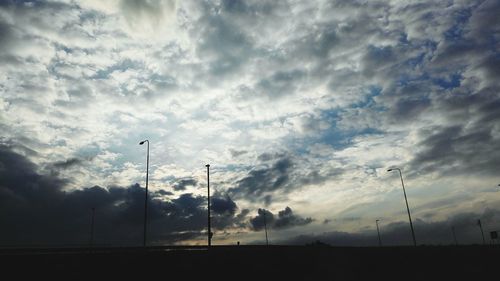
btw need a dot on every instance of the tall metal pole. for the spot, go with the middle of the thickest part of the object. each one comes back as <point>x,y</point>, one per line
<point>454,235</point>
<point>482,233</point>
<point>265,228</point>
<point>208,188</point>
<point>146,195</point>
<point>407,208</point>
<point>378,232</point>
<point>92,228</point>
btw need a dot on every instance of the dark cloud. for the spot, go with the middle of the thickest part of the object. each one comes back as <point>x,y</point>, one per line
<point>80,94</point>
<point>264,218</point>
<point>276,177</point>
<point>484,21</point>
<point>40,18</point>
<point>223,205</point>
<point>267,200</point>
<point>452,53</point>
<point>430,233</point>
<point>163,193</point>
<point>32,205</point>
<point>224,212</point>
<point>266,180</point>
<point>457,149</point>
<point>376,59</point>
<point>63,165</point>
<point>235,6</point>
<point>6,36</point>
<point>236,153</point>
<point>325,40</point>
<point>285,219</point>
<point>227,35</point>
<point>268,156</point>
<point>464,106</point>
<point>490,66</point>
<point>280,84</point>
<point>251,8</point>
<point>470,49</point>
<point>225,45</point>
<point>405,110</point>
<point>315,178</point>
<point>183,183</point>
<point>19,178</point>
<point>35,209</point>
<point>417,77</point>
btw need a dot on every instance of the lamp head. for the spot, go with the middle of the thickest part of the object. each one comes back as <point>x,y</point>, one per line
<point>390,170</point>
<point>208,165</point>
<point>142,142</point>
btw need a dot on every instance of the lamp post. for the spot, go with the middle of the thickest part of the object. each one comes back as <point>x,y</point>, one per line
<point>378,232</point>
<point>208,187</point>
<point>407,208</point>
<point>481,228</point>
<point>265,227</point>
<point>146,196</point>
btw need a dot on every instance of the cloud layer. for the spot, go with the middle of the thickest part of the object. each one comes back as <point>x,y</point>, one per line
<point>294,104</point>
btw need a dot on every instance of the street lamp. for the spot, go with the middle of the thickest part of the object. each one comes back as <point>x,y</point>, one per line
<point>378,232</point>
<point>407,208</point>
<point>481,228</point>
<point>208,187</point>
<point>146,196</point>
<point>265,227</point>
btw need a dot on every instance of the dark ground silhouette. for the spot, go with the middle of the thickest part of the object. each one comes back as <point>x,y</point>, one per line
<point>312,262</point>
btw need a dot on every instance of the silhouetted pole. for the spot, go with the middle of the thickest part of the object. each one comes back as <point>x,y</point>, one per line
<point>265,228</point>
<point>454,235</point>
<point>481,228</point>
<point>208,187</point>
<point>146,196</point>
<point>407,208</point>
<point>378,232</point>
<point>92,228</point>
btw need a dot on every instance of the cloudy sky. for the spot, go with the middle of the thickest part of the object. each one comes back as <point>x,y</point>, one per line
<point>300,107</point>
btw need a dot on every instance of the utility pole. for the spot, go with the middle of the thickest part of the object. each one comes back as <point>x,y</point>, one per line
<point>407,207</point>
<point>146,196</point>
<point>265,227</point>
<point>481,228</point>
<point>378,232</point>
<point>208,187</point>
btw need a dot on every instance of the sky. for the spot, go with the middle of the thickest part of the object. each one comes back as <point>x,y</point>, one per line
<point>300,108</point>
